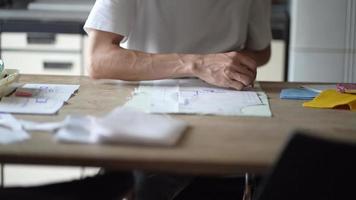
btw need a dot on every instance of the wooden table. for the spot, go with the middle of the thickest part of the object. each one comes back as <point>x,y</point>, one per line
<point>213,144</point>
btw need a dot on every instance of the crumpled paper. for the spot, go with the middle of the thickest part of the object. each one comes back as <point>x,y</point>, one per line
<point>11,130</point>
<point>122,125</point>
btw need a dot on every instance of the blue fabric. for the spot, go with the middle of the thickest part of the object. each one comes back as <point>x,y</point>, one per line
<point>298,94</point>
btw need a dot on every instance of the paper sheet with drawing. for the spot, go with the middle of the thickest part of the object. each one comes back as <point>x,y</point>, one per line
<point>193,96</point>
<point>60,92</point>
<point>45,99</point>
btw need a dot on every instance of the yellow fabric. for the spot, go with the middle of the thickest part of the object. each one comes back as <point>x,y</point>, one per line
<point>332,99</point>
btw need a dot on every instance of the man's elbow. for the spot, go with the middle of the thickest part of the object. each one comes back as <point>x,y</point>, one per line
<point>101,53</point>
<point>101,67</point>
<point>93,68</point>
<point>265,56</point>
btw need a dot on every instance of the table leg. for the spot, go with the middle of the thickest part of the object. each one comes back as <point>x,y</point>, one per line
<point>82,172</point>
<point>2,175</point>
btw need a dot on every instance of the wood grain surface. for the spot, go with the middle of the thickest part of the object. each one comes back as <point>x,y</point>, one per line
<point>212,145</point>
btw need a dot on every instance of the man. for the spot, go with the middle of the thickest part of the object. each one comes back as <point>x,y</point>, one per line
<point>219,41</point>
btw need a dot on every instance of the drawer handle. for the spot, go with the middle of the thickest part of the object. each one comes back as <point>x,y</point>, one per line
<point>58,65</point>
<point>41,38</point>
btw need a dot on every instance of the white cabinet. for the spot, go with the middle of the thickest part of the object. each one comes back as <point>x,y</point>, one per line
<point>354,73</point>
<point>318,67</point>
<point>43,53</point>
<point>85,56</point>
<point>323,41</point>
<point>274,69</point>
<point>319,24</point>
<point>51,63</point>
<point>41,41</point>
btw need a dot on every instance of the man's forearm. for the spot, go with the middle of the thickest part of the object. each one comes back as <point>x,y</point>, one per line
<point>118,63</point>
<point>107,60</point>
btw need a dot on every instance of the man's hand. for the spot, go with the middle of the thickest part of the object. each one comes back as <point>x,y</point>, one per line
<point>232,70</point>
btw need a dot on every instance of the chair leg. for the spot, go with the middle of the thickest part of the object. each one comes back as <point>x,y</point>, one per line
<point>248,190</point>
<point>129,195</point>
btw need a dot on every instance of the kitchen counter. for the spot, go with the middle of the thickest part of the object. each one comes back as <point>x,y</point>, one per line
<point>42,21</point>
<point>7,14</point>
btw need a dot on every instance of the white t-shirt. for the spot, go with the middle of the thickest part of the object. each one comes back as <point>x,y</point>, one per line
<point>185,26</point>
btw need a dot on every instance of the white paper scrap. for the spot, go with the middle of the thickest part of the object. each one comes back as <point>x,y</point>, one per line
<point>11,130</point>
<point>132,126</point>
<point>123,125</point>
<point>77,130</point>
<point>40,126</point>
<point>319,87</point>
